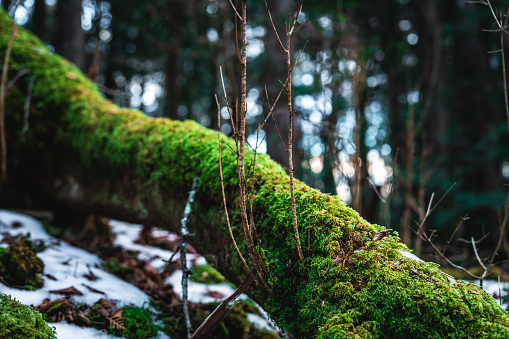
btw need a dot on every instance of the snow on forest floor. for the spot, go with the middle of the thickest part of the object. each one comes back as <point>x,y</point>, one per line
<point>66,265</point>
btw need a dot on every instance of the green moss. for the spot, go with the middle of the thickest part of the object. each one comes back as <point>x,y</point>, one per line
<point>130,322</point>
<point>138,324</point>
<point>20,266</point>
<point>19,321</point>
<point>347,285</point>
<point>115,267</point>
<point>206,274</point>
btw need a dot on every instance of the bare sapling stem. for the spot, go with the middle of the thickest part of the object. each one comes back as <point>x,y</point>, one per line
<point>184,234</point>
<point>246,267</point>
<point>241,110</point>
<point>290,28</point>
<point>3,139</point>
<point>290,142</point>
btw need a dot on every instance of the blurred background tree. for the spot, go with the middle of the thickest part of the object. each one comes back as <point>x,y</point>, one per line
<point>395,100</point>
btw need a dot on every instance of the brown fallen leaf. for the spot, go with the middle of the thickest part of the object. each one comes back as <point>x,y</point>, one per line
<point>150,271</point>
<point>91,289</point>
<point>474,292</point>
<point>102,311</point>
<point>66,262</point>
<point>67,291</point>
<point>191,249</point>
<point>381,234</point>
<point>82,320</point>
<point>215,294</point>
<point>107,304</point>
<point>57,310</point>
<point>49,276</point>
<point>116,320</point>
<point>90,276</point>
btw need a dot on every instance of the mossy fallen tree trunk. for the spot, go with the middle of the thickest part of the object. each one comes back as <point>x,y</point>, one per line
<point>88,154</point>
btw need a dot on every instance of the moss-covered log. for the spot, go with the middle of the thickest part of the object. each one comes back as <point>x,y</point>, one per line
<point>84,152</point>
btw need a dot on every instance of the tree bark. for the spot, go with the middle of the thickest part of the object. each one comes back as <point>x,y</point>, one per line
<point>39,19</point>
<point>6,4</point>
<point>94,157</point>
<point>69,37</point>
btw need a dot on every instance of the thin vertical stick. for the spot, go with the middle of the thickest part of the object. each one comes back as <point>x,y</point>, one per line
<point>290,147</point>
<point>290,27</point>
<point>241,111</point>
<point>499,292</point>
<point>3,141</point>
<point>246,267</point>
<point>183,243</point>
<point>290,130</point>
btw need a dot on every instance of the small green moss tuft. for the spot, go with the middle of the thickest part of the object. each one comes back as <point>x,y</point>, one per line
<point>206,274</point>
<point>18,321</point>
<point>115,267</point>
<point>20,266</point>
<point>130,322</point>
<point>138,324</point>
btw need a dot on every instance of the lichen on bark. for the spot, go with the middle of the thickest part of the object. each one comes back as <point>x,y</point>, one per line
<point>95,157</point>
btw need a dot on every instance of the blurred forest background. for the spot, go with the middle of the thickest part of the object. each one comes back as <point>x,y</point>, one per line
<point>395,100</point>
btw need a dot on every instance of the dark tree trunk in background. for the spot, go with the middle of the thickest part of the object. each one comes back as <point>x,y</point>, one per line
<point>39,19</point>
<point>175,15</point>
<point>433,76</point>
<point>68,36</point>
<point>328,136</point>
<point>171,82</point>
<point>434,119</point>
<point>396,121</point>
<point>480,116</point>
<point>6,4</point>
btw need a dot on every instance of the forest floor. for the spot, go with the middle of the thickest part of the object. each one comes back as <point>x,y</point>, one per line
<point>124,284</point>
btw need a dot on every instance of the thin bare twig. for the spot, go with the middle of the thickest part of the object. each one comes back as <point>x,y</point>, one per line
<point>283,49</point>
<point>184,234</point>
<point>16,78</point>
<point>235,10</point>
<point>477,255</point>
<point>431,209</point>
<point>228,107</point>
<point>299,10</point>
<point>27,104</point>
<point>247,222</point>
<point>476,242</point>
<point>273,105</point>
<point>246,267</point>
<point>221,312</point>
<point>501,233</point>
<point>279,133</point>
<point>287,51</point>
<point>454,233</point>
